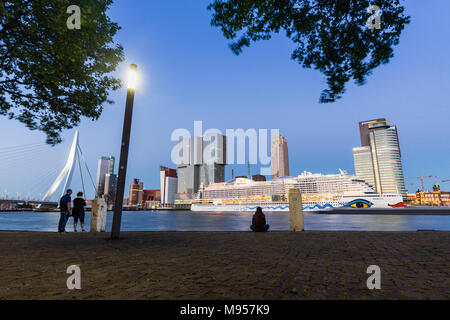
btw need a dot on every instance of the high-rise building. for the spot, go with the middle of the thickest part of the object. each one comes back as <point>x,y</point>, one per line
<point>112,162</point>
<point>110,186</point>
<point>279,157</point>
<point>136,193</point>
<point>211,173</point>
<point>364,130</point>
<point>362,158</point>
<point>169,185</point>
<point>105,166</point>
<point>212,168</point>
<point>188,179</point>
<point>378,161</point>
<point>201,161</point>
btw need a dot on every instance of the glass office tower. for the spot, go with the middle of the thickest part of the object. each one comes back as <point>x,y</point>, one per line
<point>362,157</point>
<point>105,166</point>
<point>378,161</point>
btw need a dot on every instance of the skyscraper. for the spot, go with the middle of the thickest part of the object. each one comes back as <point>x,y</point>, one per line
<point>110,186</point>
<point>362,158</point>
<point>214,159</point>
<point>378,161</point>
<point>279,157</point>
<point>201,161</point>
<point>136,192</point>
<point>168,182</point>
<point>188,164</point>
<point>112,162</point>
<point>105,166</point>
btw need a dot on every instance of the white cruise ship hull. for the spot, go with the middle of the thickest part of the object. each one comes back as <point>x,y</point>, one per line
<point>375,201</point>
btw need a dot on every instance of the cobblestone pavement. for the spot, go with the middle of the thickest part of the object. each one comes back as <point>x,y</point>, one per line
<point>226,265</point>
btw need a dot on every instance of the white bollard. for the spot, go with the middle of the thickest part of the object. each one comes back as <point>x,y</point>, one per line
<point>98,215</point>
<point>296,210</point>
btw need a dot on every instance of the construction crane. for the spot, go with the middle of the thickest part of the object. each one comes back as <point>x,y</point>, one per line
<point>421,180</point>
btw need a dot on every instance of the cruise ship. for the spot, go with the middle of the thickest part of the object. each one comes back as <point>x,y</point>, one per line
<point>319,192</point>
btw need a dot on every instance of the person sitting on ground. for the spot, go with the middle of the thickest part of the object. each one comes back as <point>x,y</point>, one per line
<point>78,211</point>
<point>259,221</point>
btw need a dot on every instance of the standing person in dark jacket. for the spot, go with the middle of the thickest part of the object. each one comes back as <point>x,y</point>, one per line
<point>78,211</point>
<point>259,221</point>
<point>64,208</point>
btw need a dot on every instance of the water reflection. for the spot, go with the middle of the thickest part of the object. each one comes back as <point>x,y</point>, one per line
<point>216,221</point>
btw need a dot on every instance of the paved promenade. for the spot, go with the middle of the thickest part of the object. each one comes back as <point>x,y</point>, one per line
<point>226,265</point>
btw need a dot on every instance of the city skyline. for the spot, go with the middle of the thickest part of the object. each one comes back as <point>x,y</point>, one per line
<point>187,83</point>
<point>268,153</point>
<point>105,170</point>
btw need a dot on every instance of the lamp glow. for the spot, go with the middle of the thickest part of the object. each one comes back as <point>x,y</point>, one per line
<point>132,77</point>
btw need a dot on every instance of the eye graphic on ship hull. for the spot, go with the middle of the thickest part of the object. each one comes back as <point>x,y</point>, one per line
<point>359,204</point>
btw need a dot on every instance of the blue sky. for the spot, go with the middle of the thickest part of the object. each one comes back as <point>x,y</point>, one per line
<point>188,73</point>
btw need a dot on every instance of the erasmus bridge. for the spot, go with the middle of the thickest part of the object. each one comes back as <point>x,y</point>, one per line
<point>9,157</point>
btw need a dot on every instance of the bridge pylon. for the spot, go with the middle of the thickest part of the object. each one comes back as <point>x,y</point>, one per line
<point>67,172</point>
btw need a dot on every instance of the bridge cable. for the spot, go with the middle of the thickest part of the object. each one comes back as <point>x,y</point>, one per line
<point>8,163</point>
<point>19,149</point>
<point>26,146</point>
<point>19,153</point>
<point>45,180</point>
<point>81,172</point>
<point>87,168</point>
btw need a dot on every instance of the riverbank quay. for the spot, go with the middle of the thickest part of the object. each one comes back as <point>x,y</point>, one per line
<point>226,265</point>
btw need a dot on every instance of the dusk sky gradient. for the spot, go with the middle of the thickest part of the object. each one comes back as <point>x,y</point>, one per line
<point>189,73</point>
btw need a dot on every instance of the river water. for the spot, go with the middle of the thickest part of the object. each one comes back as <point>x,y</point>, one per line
<point>215,221</point>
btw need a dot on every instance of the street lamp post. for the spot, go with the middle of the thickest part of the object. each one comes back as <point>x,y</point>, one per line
<point>132,79</point>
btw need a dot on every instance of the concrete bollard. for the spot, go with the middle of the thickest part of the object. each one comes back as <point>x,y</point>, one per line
<point>296,210</point>
<point>98,215</point>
